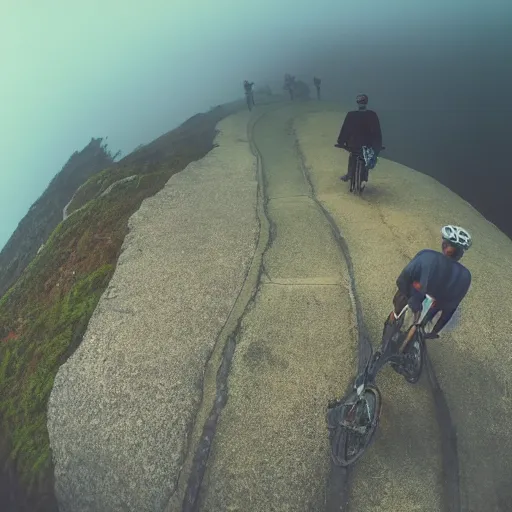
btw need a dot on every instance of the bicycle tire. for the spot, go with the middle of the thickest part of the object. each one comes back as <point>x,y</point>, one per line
<point>340,443</point>
<point>413,376</point>
<point>357,177</point>
<point>353,180</point>
<point>359,188</point>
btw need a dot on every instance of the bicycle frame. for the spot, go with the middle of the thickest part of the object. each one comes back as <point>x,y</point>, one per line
<point>389,353</point>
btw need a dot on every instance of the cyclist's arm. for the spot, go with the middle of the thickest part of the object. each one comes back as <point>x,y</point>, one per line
<point>447,313</point>
<point>445,317</point>
<point>416,299</point>
<point>414,272</point>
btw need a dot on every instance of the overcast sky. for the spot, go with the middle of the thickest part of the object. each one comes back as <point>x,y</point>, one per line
<point>133,69</point>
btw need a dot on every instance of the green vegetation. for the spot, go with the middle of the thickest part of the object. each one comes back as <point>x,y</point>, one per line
<point>30,362</point>
<point>95,185</point>
<point>44,315</point>
<point>46,213</point>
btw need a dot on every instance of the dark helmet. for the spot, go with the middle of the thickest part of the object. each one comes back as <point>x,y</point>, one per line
<point>362,99</point>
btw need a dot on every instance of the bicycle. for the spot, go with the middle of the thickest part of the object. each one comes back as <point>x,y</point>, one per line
<point>356,183</point>
<point>354,419</point>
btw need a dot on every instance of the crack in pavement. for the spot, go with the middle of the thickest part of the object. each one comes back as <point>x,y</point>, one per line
<point>363,337</point>
<point>338,487</point>
<point>246,297</point>
<point>287,197</point>
<point>450,456</point>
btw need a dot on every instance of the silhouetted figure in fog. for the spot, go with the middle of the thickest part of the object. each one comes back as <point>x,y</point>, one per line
<point>249,95</point>
<point>317,83</point>
<point>360,128</point>
<point>289,84</point>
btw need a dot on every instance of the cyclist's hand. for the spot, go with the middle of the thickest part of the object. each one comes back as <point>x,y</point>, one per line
<point>431,336</point>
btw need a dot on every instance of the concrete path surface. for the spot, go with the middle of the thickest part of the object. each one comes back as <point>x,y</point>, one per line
<point>202,380</point>
<point>295,349</point>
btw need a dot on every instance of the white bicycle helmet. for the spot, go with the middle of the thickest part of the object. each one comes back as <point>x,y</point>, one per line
<point>457,236</point>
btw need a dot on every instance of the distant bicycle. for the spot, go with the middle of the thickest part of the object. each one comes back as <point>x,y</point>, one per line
<point>357,185</point>
<point>353,420</point>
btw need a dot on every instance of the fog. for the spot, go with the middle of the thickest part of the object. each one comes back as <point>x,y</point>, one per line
<point>439,76</point>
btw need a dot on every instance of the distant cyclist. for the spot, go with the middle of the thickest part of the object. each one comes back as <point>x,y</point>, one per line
<point>249,93</point>
<point>317,82</point>
<point>360,128</point>
<point>438,274</point>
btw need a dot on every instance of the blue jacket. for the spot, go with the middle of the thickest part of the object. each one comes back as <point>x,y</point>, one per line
<point>443,278</point>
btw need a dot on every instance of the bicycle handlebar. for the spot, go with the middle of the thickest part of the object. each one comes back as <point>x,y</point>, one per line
<point>345,147</point>
<point>423,313</point>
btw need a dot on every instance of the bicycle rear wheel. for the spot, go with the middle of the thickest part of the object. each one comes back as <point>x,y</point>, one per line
<point>353,180</point>
<point>358,420</point>
<point>360,186</point>
<point>357,176</point>
<point>414,356</point>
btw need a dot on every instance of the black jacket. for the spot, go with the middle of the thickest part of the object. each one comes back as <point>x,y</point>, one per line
<point>361,128</point>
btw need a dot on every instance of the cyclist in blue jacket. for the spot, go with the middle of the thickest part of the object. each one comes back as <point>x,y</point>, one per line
<point>438,274</point>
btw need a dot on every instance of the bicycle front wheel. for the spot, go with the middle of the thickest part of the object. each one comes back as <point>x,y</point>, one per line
<point>358,423</point>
